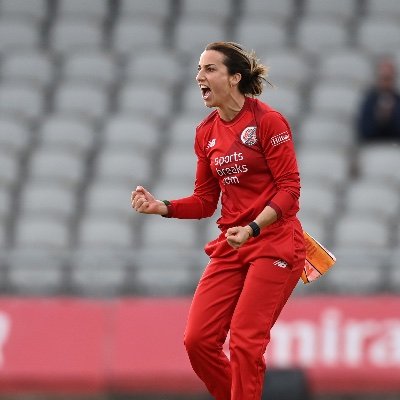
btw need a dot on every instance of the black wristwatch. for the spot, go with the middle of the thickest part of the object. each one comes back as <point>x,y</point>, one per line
<point>168,204</point>
<point>256,229</point>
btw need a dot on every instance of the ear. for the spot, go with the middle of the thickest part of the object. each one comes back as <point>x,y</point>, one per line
<point>235,79</point>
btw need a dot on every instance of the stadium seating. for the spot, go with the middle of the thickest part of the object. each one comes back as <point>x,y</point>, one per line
<point>317,163</point>
<point>30,67</point>
<point>164,272</point>
<point>152,66</point>
<point>358,231</point>
<point>371,198</point>
<point>159,232</point>
<point>133,34</point>
<point>65,132</point>
<point>261,36</point>
<point>71,34</point>
<point>380,163</point>
<point>34,10</point>
<point>317,36</point>
<point>179,165</point>
<point>138,98</point>
<point>122,165</point>
<point>81,99</point>
<point>358,271</point>
<point>378,36</point>
<point>152,10</point>
<point>18,34</point>
<point>320,201</point>
<point>9,170</point>
<point>109,199</point>
<point>182,131</point>
<point>90,66</point>
<point>281,10</point>
<point>127,131</point>
<point>339,100</point>
<point>57,165</point>
<point>346,66</point>
<point>389,8</point>
<point>5,204</point>
<point>98,272</point>
<point>37,231</point>
<point>38,198</point>
<point>98,96</point>
<point>36,271</point>
<point>316,130</point>
<point>341,10</point>
<point>105,231</point>
<point>96,9</point>
<point>192,34</point>
<point>21,100</point>
<point>284,98</point>
<point>217,12</point>
<point>14,136</point>
<point>287,67</point>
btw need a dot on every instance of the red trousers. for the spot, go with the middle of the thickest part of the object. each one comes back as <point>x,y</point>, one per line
<point>243,291</point>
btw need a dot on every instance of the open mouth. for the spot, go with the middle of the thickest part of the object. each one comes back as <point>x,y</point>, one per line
<point>205,92</point>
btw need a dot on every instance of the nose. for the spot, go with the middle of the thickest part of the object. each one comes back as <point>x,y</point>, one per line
<point>199,75</point>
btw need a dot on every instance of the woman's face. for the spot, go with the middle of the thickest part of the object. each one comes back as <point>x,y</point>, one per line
<point>215,83</point>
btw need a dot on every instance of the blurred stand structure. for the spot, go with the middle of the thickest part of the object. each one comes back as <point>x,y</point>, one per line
<point>97,96</point>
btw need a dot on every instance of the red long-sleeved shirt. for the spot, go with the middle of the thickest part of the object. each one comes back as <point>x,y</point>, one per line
<point>250,160</point>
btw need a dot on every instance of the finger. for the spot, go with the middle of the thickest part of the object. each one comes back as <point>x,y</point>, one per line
<point>230,243</point>
<point>133,194</point>
<point>232,231</point>
<point>142,190</point>
<point>232,239</point>
<point>138,197</point>
<point>233,244</point>
<point>139,202</point>
<point>139,191</point>
<point>143,207</point>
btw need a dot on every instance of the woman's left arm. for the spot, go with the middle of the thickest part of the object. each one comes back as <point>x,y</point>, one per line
<point>238,235</point>
<point>278,147</point>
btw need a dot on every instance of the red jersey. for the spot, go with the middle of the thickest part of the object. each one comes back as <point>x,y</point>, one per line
<point>250,160</point>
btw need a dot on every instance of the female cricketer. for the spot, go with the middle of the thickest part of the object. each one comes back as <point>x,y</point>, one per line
<point>246,154</point>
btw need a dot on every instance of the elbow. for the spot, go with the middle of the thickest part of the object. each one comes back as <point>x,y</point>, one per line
<point>294,191</point>
<point>209,209</point>
<point>291,185</point>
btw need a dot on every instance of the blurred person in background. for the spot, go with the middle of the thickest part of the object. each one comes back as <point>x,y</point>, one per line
<point>245,151</point>
<point>379,114</point>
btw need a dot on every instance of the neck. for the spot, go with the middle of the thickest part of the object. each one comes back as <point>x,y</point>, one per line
<point>231,107</point>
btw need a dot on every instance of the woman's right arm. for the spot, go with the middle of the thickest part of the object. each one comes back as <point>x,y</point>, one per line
<point>145,203</point>
<point>201,204</point>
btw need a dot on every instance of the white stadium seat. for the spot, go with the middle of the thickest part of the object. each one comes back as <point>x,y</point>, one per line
<point>90,66</point>
<point>378,36</point>
<point>319,37</point>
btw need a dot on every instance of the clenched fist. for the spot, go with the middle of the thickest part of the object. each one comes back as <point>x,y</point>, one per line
<point>144,202</point>
<point>238,235</point>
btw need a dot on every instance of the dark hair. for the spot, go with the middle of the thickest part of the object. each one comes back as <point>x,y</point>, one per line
<point>238,60</point>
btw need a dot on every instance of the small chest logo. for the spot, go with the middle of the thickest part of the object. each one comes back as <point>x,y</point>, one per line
<point>280,263</point>
<point>248,136</point>
<point>211,143</point>
<point>281,138</point>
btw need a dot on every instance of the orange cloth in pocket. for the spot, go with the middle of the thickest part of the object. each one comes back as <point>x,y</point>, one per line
<point>318,259</point>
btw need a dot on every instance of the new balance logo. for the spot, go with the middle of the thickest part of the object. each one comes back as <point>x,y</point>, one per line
<point>281,138</point>
<point>280,263</point>
<point>211,143</point>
